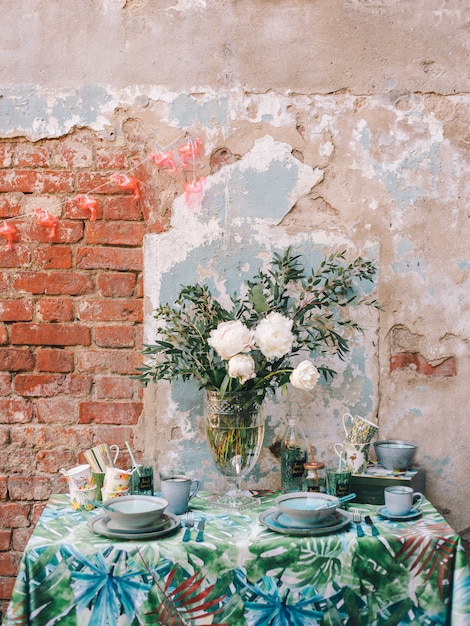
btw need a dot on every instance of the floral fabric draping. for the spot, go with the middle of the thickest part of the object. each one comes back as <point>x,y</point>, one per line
<point>242,574</point>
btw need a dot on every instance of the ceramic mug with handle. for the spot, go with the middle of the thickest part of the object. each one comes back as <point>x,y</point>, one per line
<point>401,500</point>
<point>354,455</point>
<point>361,430</point>
<point>178,489</point>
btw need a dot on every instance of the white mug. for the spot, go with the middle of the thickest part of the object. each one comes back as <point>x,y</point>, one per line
<point>354,455</point>
<point>116,479</point>
<point>361,429</point>
<point>79,477</point>
<point>401,500</point>
<point>178,490</point>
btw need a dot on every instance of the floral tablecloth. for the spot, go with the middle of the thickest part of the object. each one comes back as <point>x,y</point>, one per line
<point>242,574</point>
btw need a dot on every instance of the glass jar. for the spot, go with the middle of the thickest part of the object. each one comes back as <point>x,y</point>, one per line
<point>314,477</point>
<point>141,482</point>
<point>293,456</point>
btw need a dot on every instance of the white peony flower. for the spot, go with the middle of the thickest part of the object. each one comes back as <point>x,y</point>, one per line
<point>230,338</point>
<point>241,366</point>
<point>305,376</point>
<point>273,335</point>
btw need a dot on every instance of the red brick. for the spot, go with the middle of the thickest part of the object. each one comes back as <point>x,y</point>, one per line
<point>110,310</point>
<point>38,509</point>
<point>18,256</point>
<point>4,436</point>
<point>49,360</point>
<point>116,285</point>
<point>108,361</point>
<point>73,154</point>
<point>30,155</point>
<point>50,334</point>
<point>16,359</point>
<point>62,283</point>
<point>417,363</point>
<point>9,208</point>
<point>114,233</point>
<point>116,387</point>
<point>51,461</point>
<point>121,208</point>
<point>96,183</point>
<point>37,181</point>
<point>8,564</point>
<point>111,160</point>
<point>124,413</point>
<point>6,587</point>
<point>114,336</point>
<point>75,211</point>
<point>56,410</point>
<point>55,310</point>
<point>3,487</point>
<point>115,434</point>
<point>3,335</point>
<point>109,258</point>
<point>5,538</point>
<point>50,436</point>
<point>5,384</point>
<point>6,153</point>
<point>15,411</point>
<point>47,385</point>
<point>29,488</point>
<point>4,281</point>
<point>65,232</point>
<point>21,537</point>
<point>53,257</point>
<point>14,515</point>
<point>16,310</point>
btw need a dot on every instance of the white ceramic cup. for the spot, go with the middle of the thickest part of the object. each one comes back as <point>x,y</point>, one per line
<point>355,455</point>
<point>102,455</point>
<point>83,498</point>
<point>401,500</point>
<point>178,489</point>
<point>116,479</point>
<point>109,495</point>
<point>78,477</point>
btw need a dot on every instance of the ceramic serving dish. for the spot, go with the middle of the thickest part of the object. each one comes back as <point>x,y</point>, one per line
<point>394,454</point>
<point>136,511</point>
<point>307,507</point>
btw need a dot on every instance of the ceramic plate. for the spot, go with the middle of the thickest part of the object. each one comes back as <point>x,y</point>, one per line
<point>339,520</point>
<point>284,520</point>
<point>99,526</point>
<point>118,528</point>
<point>413,514</point>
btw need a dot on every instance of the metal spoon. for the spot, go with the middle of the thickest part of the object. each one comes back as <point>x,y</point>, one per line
<point>350,496</point>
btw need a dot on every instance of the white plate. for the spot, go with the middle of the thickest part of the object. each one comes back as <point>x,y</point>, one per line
<point>99,526</point>
<point>118,528</point>
<point>284,520</point>
<point>413,514</point>
<point>270,519</point>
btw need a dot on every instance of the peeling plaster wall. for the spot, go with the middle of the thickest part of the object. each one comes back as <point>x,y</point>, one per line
<point>371,94</point>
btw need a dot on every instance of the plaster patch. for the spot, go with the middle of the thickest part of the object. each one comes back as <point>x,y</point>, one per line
<point>186,110</point>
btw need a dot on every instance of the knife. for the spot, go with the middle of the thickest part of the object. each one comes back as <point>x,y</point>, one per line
<point>200,530</point>
<point>375,530</point>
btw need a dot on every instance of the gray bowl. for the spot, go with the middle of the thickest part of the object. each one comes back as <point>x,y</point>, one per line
<point>394,454</point>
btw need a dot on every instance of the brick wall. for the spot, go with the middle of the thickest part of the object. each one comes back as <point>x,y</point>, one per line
<point>70,318</point>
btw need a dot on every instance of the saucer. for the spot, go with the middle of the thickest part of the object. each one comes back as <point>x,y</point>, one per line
<point>413,514</point>
<point>270,518</point>
<point>99,525</point>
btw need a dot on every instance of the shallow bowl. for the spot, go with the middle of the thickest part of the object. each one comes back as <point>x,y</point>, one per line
<point>307,507</point>
<point>394,454</point>
<point>136,511</point>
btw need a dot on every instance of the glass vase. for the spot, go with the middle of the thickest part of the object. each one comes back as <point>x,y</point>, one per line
<point>234,425</point>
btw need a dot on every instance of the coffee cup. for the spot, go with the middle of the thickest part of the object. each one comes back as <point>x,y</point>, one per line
<point>109,495</point>
<point>361,430</point>
<point>78,477</point>
<point>82,499</point>
<point>101,456</point>
<point>401,500</point>
<point>178,489</point>
<point>354,455</point>
<point>116,479</point>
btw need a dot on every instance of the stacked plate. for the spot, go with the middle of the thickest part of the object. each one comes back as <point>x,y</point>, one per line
<point>305,514</point>
<point>105,526</point>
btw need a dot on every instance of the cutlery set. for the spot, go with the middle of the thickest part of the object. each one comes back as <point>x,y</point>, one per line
<point>188,524</point>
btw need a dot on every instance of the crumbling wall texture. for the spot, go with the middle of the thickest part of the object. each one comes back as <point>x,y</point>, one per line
<point>372,92</point>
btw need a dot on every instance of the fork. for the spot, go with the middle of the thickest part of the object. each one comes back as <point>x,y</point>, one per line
<point>357,519</point>
<point>188,522</point>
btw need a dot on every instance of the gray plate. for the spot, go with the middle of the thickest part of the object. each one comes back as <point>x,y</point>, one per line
<point>99,526</point>
<point>270,519</point>
<point>413,514</point>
